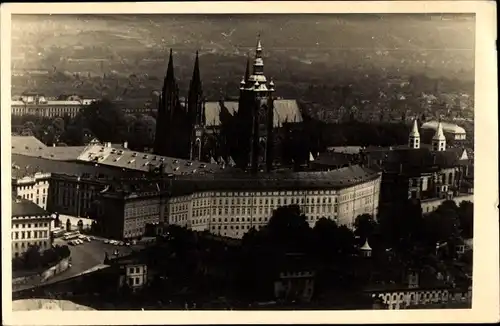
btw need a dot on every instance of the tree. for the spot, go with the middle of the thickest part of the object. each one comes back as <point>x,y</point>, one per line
<point>80,225</point>
<point>32,257</point>
<point>106,121</point>
<point>402,225</point>
<point>332,242</point>
<point>466,217</point>
<point>142,133</point>
<point>443,224</point>
<point>288,229</point>
<point>57,221</point>
<point>59,125</point>
<point>364,226</point>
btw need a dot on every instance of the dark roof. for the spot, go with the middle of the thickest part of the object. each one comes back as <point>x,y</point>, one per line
<point>23,165</point>
<point>332,159</point>
<point>284,111</point>
<point>23,207</point>
<point>241,181</point>
<point>409,159</point>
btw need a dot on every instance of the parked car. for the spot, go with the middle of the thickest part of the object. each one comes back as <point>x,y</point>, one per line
<point>106,241</point>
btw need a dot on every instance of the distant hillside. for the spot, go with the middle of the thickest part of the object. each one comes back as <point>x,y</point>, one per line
<point>312,44</point>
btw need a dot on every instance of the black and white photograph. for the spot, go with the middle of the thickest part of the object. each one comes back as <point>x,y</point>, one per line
<point>250,162</point>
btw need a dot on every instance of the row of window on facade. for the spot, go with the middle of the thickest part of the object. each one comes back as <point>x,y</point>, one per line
<point>16,235</point>
<point>40,183</point>
<point>134,281</point>
<point>26,244</point>
<point>266,201</point>
<point>28,225</point>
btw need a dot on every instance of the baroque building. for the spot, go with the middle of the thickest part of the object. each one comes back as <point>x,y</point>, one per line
<point>430,173</point>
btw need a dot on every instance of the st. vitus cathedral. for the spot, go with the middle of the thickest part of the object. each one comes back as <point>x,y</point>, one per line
<point>181,127</point>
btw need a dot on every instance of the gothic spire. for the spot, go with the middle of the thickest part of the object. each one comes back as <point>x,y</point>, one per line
<point>196,79</point>
<point>414,132</point>
<point>170,77</point>
<point>247,71</point>
<point>195,96</point>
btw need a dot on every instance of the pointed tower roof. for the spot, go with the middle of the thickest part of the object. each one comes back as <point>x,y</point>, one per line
<point>196,71</point>
<point>258,63</point>
<point>439,135</point>
<point>414,131</point>
<point>170,77</point>
<point>247,71</point>
<point>366,246</point>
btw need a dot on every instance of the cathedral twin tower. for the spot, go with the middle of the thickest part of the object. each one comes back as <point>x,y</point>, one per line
<point>181,127</point>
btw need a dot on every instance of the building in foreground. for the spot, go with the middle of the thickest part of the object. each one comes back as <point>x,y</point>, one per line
<point>30,226</point>
<point>230,204</point>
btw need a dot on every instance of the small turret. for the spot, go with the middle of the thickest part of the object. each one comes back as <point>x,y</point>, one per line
<point>414,138</point>
<point>366,250</point>
<point>439,140</point>
<point>271,86</point>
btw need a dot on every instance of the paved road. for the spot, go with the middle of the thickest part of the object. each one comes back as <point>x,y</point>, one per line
<point>88,255</point>
<point>84,257</point>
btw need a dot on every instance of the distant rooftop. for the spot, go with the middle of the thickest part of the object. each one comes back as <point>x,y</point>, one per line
<point>284,111</point>
<point>447,127</point>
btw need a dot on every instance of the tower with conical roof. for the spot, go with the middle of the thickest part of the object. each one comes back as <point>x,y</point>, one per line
<point>256,115</point>
<point>196,112</point>
<point>414,138</point>
<point>439,140</point>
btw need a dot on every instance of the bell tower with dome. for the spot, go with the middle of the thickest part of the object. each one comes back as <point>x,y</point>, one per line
<point>256,115</point>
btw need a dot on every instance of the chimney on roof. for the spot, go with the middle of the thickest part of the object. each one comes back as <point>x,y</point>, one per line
<point>108,144</point>
<point>125,144</point>
<point>54,145</point>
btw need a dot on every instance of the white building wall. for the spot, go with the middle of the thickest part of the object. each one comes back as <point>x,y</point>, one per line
<point>232,214</point>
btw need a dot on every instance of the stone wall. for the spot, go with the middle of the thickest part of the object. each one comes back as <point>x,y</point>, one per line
<point>37,278</point>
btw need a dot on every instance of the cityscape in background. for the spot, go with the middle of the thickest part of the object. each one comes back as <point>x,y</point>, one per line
<point>242,162</point>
